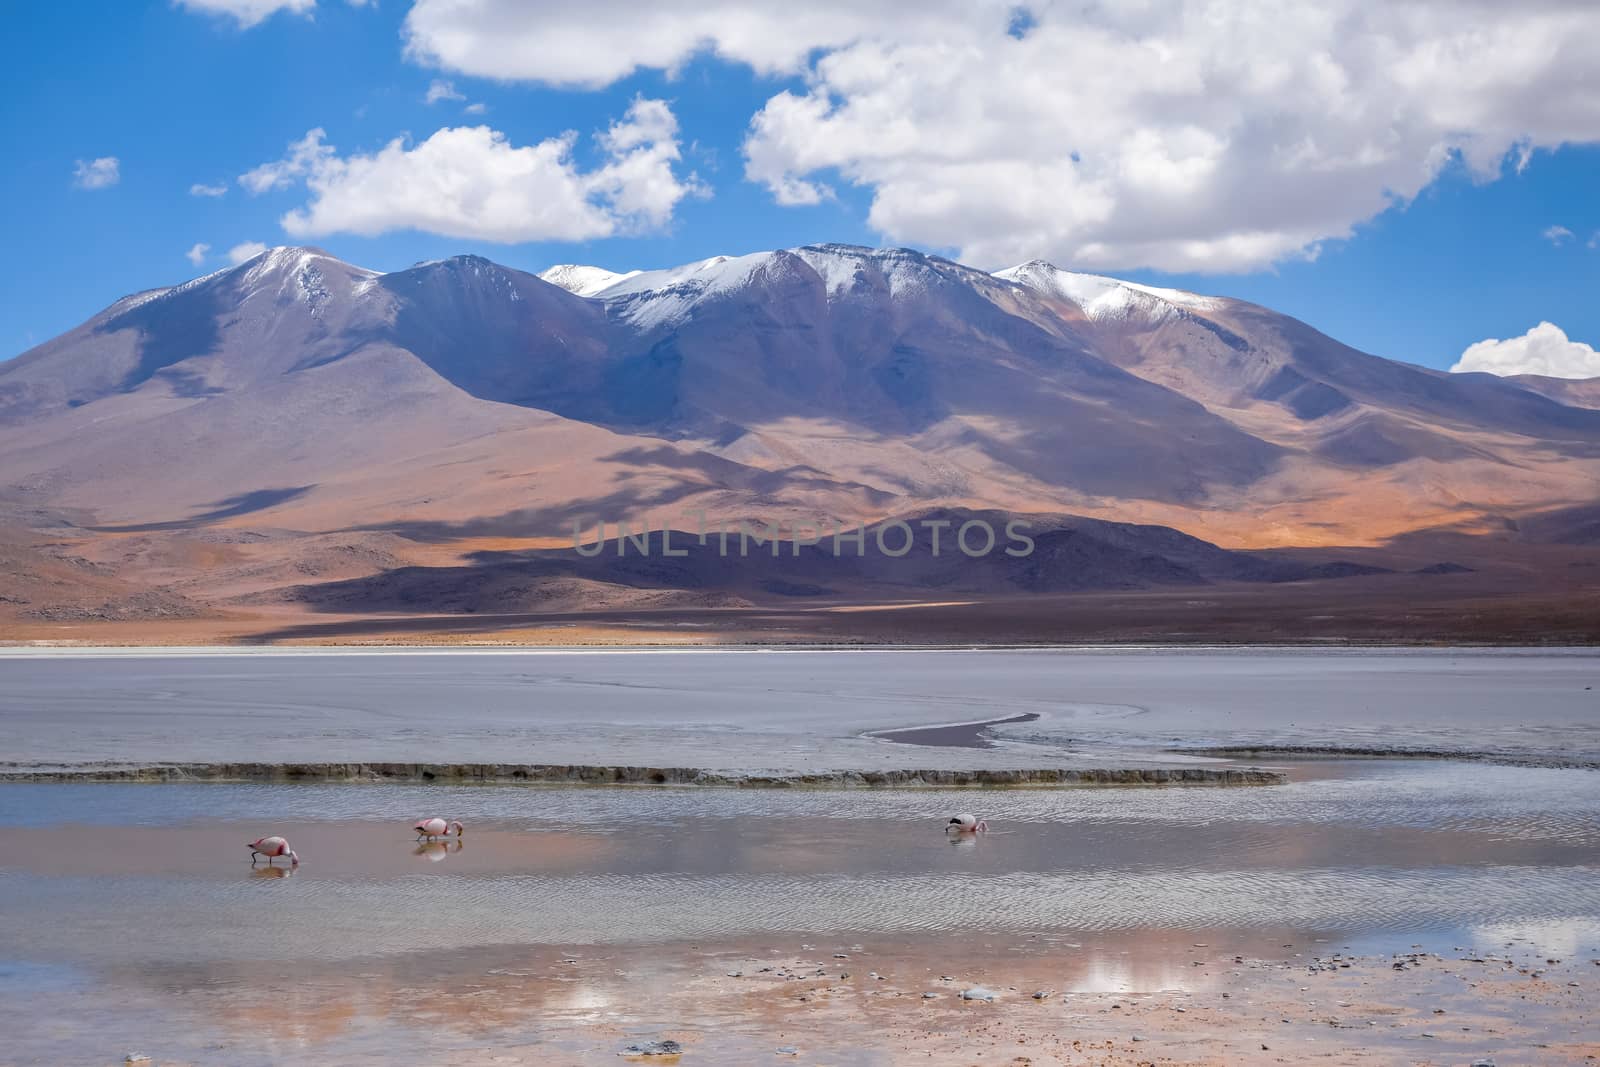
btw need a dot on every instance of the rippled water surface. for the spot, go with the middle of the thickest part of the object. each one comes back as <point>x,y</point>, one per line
<point>1390,847</point>
<point>568,920</point>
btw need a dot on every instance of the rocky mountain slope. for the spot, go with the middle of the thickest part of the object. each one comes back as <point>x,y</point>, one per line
<point>458,407</point>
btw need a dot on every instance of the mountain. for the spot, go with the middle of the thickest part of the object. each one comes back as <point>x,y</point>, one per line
<point>581,280</point>
<point>1574,392</point>
<point>678,568</point>
<point>299,412</point>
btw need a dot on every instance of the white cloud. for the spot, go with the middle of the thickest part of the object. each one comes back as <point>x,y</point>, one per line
<point>476,109</point>
<point>439,89</point>
<point>1546,349</point>
<point>472,182</point>
<point>197,254</point>
<point>1557,234</point>
<point>97,173</point>
<point>596,43</point>
<point>201,189</point>
<point>248,13</point>
<point>245,250</point>
<point>1176,134</point>
<point>305,156</point>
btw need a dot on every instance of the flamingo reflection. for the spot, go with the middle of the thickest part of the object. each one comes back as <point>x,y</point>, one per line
<point>437,850</point>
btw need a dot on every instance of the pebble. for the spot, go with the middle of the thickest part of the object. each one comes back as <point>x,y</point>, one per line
<point>977,992</point>
<point>930,996</point>
<point>136,1057</point>
<point>666,1047</point>
<point>1041,994</point>
<point>786,1050</point>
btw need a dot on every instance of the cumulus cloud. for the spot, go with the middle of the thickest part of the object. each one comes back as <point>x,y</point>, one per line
<point>439,89</point>
<point>97,173</point>
<point>201,189</point>
<point>594,44</point>
<point>197,253</point>
<point>1557,234</point>
<point>245,250</point>
<point>305,156</point>
<point>1177,134</point>
<point>472,182</point>
<point>247,13</point>
<point>1546,349</point>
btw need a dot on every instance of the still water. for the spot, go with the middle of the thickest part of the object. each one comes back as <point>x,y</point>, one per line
<point>1384,846</point>
<point>567,922</point>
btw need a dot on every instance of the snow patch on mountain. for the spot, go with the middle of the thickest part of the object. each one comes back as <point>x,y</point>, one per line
<point>128,303</point>
<point>301,275</point>
<point>1105,298</point>
<point>842,267</point>
<point>582,280</point>
<point>703,272</point>
<point>653,298</point>
<point>838,272</point>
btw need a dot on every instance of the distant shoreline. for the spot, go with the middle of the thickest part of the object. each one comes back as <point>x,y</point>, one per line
<point>44,651</point>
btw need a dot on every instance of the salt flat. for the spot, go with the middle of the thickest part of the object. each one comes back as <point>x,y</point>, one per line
<point>785,710</point>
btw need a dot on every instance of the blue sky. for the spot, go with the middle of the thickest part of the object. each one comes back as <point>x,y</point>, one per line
<point>179,97</point>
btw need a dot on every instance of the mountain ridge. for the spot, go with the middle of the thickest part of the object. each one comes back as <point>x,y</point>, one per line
<point>459,405</point>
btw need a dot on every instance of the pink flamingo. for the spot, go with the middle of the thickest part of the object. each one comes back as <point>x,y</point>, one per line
<point>272,847</point>
<point>437,827</point>
<point>966,824</point>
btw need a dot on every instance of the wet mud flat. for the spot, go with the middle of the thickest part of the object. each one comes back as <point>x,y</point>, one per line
<point>1154,997</point>
<point>593,774</point>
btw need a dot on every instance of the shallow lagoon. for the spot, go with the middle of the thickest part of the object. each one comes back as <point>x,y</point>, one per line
<point>571,921</point>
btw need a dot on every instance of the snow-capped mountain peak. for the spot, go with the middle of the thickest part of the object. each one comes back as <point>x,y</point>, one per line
<point>652,298</point>
<point>1101,297</point>
<point>701,274</point>
<point>582,280</point>
<point>288,271</point>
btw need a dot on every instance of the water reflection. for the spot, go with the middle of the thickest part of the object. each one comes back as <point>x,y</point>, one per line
<point>436,851</point>
<point>272,872</point>
<point>1406,848</point>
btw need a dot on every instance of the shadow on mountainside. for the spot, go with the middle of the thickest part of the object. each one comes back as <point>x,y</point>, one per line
<point>231,507</point>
